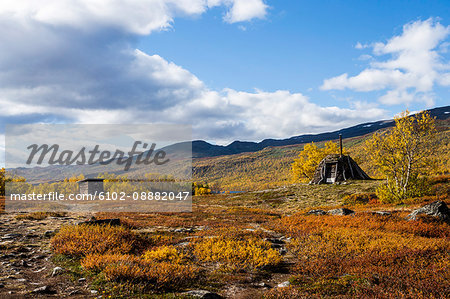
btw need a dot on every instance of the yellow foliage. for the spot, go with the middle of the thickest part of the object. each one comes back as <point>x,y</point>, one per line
<point>164,254</point>
<point>402,154</point>
<point>123,267</point>
<point>237,255</point>
<point>200,189</point>
<point>304,166</point>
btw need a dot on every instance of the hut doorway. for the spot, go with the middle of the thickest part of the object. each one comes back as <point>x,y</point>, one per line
<point>330,172</point>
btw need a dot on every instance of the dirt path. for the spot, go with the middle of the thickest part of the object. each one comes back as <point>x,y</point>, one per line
<point>26,266</point>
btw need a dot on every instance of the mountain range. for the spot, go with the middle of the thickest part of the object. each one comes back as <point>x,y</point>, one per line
<point>202,149</point>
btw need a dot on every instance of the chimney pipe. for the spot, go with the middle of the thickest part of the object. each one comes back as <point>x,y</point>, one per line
<point>340,145</point>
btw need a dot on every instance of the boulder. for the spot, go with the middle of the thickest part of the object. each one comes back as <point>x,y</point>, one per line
<point>43,290</point>
<point>316,212</point>
<point>202,294</point>
<point>437,209</point>
<point>340,212</point>
<point>284,284</point>
<point>381,213</point>
<point>57,271</point>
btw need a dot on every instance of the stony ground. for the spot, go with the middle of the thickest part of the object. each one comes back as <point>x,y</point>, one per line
<point>26,267</point>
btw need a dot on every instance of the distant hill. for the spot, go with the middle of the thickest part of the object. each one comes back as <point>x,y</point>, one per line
<point>240,165</point>
<point>201,149</point>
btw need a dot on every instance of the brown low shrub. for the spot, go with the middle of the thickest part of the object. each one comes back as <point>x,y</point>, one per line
<point>81,240</point>
<point>158,275</point>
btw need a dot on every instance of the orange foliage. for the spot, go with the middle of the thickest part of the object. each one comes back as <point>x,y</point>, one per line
<point>80,240</point>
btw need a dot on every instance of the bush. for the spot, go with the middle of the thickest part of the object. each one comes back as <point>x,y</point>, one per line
<point>164,254</point>
<point>390,193</point>
<point>81,240</point>
<point>157,275</point>
<point>237,255</point>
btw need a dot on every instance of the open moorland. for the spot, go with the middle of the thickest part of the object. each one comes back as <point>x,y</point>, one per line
<point>278,239</point>
<point>261,244</point>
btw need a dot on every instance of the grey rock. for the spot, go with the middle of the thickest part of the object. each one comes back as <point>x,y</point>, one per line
<point>93,292</point>
<point>184,230</point>
<point>316,212</point>
<point>43,290</point>
<point>11,236</point>
<point>49,233</point>
<point>284,284</point>
<point>75,292</point>
<point>202,294</point>
<point>436,209</point>
<point>262,285</point>
<point>274,240</point>
<point>382,213</point>
<point>57,271</point>
<point>341,212</point>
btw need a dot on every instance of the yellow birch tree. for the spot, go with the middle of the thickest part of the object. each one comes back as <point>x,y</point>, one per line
<point>402,154</point>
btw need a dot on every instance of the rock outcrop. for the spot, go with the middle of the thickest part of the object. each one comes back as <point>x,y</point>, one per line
<point>437,209</point>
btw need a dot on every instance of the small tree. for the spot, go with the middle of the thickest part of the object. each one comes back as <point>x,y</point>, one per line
<point>402,154</point>
<point>199,188</point>
<point>304,166</point>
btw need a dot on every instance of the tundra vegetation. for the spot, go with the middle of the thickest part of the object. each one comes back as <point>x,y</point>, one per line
<point>267,243</point>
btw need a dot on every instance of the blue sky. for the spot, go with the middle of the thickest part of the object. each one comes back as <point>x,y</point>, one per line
<point>297,46</point>
<point>234,69</point>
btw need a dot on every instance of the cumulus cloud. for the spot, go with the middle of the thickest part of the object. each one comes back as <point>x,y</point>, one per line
<point>74,62</point>
<point>416,65</point>
<point>138,17</point>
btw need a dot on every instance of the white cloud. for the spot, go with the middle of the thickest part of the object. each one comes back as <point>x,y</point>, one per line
<point>360,46</point>
<point>242,10</point>
<point>132,16</point>
<point>72,62</point>
<point>411,73</point>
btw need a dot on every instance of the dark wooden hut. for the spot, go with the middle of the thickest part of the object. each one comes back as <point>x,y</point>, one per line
<point>338,168</point>
<point>91,186</point>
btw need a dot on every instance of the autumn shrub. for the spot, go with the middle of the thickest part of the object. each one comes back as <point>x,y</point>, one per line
<point>368,256</point>
<point>236,255</point>
<point>164,254</point>
<point>97,262</point>
<point>360,198</point>
<point>129,268</point>
<point>81,240</point>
